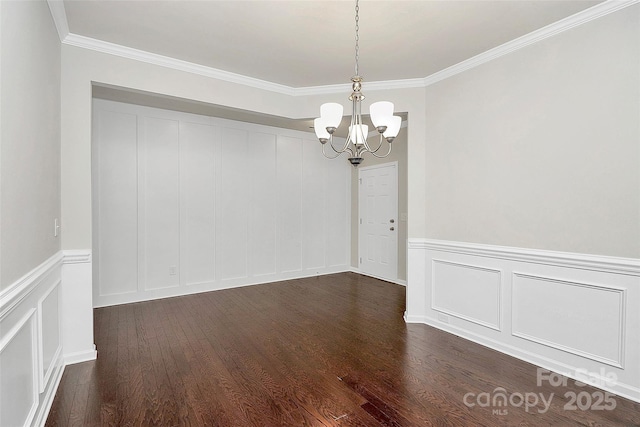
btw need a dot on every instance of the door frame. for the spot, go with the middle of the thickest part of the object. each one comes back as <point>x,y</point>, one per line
<point>359,222</point>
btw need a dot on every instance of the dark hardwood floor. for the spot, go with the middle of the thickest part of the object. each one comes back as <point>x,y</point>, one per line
<point>326,351</point>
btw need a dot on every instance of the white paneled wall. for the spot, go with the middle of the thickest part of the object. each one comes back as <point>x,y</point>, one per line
<point>186,203</point>
<point>31,359</point>
<point>570,313</point>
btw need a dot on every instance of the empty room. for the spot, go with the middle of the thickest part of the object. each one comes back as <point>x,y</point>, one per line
<point>319,213</point>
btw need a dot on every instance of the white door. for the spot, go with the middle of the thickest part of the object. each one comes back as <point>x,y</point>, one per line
<point>378,222</point>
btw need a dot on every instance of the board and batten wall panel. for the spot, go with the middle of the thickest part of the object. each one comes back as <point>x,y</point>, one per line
<point>186,203</point>
<point>158,224</point>
<point>289,152</point>
<point>116,182</point>
<point>234,202</point>
<point>262,233</point>
<point>197,191</point>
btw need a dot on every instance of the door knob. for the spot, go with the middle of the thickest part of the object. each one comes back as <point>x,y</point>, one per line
<point>392,221</point>
<point>391,228</point>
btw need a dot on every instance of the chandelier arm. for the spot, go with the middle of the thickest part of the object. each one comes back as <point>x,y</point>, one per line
<point>330,157</point>
<point>344,149</point>
<point>368,148</point>
<point>373,153</point>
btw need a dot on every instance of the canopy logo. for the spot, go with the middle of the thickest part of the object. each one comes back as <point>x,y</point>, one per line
<point>499,400</point>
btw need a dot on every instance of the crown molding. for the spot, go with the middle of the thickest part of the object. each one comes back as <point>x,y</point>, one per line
<point>551,30</point>
<point>59,15</point>
<point>587,15</point>
<point>176,64</point>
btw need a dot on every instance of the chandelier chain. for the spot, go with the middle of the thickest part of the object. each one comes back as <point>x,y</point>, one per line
<point>357,36</point>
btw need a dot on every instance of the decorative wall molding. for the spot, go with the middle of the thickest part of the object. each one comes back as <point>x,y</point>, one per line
<point>395,281</point>
<point>629,266</point>
<point>21,288</point>
<point>59,15</point>
<point>176,64</point>
<point>36,304</point>
<point>583,17</point>
<point>26,324</point>
<point>618,361</point>
<point>76,256</point>
<point>232,204</point>
<point>580,18</point>
<point>45,372</point>
<point>456,285</point>
<point>565,312</point>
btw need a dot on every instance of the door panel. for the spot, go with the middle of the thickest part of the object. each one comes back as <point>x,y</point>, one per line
<point>378,230</point>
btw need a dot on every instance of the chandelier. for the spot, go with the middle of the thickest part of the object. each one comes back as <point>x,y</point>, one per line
<point>356,144</point>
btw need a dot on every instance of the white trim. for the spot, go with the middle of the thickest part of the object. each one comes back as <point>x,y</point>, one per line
<point>162,293</point>
<point>617,363</point>
<point>583,17</point>
<point>620,389</point>
<point>551,30</point>
<point>44,373</point>
<point>21,288</point>
<point>59,15</point>
<point>628,266</point>
<point>434,306</point>
<point>176,64</point>
<point>619,275</point>
<point>47,400</point>
<point>76,256</point>
<point>80,356</point>
<point>384,279</point>
<point>6,340</point>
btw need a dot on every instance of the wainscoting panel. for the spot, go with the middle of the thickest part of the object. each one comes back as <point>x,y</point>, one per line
<point>37,312</point>
<point>19,379</point>
<point>49,334</point>
<point>210,203</point>
<point>574,314</point>
<point>593,327</point>
<point>479,286</point>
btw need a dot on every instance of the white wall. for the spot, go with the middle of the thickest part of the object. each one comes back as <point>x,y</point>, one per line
<point>532,167</point>
<point>31,291</point>
<point>539,148</point>
<point>29,138</point>
<point>186,203</point>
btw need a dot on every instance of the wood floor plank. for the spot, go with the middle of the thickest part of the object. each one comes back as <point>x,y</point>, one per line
<point>320,351</point>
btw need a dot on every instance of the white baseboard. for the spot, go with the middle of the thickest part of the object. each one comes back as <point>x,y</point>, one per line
<point>534,305</point>
<point>80,356</point>
<point>190,289</point>
<point>49,395</point>
<point>396,281</point>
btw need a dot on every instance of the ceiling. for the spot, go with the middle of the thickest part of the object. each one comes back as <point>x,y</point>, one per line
<point>308,43</point>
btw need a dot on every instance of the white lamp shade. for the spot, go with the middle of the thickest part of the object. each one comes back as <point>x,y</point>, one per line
<point>320,128</point>
<point>331,113</point>
<point>393,127</point>
<point>356,135</point>
<point>381,113</point>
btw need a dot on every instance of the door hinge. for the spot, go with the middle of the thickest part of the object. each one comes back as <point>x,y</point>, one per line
<point>360,220</point>
<point>360,260</point>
